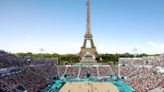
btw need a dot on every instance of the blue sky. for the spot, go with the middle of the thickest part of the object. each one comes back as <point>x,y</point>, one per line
<point>58,26</point>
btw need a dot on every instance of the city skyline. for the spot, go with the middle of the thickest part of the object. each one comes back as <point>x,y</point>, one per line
<point>59,26</point>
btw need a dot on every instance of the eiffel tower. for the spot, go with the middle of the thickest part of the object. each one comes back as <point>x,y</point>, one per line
<point>85,51</point>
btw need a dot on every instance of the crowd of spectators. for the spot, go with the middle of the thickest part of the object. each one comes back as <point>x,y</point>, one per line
<point>34,73</point>
<point>151,61</point>
<point>142,74</point>
<point>72,71</point>
<point>11,60</point>
<point>32,79</point>
<point>8,60</point>
<point>84,70</point>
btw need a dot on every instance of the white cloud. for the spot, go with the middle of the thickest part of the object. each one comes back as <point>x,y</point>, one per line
<point>150,47</point>
<point>28,37</point>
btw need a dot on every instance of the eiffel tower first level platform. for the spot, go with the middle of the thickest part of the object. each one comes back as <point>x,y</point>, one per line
<point>88,54</point>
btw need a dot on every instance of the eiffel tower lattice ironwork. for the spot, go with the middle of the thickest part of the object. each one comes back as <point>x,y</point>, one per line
<point>88,37</point>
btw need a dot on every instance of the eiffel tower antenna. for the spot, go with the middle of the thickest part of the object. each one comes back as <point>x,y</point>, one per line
<point>88,31</point>
<point>88,37</point>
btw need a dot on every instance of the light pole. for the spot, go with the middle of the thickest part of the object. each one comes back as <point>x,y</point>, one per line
<point>135,51</point>
<point>41,50</point>
<point>119,70</point>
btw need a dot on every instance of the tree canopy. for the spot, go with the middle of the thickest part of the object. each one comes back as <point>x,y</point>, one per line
<point>74,57</point>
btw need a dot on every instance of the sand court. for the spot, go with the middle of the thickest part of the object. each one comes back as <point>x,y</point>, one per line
<point>88,87</point>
